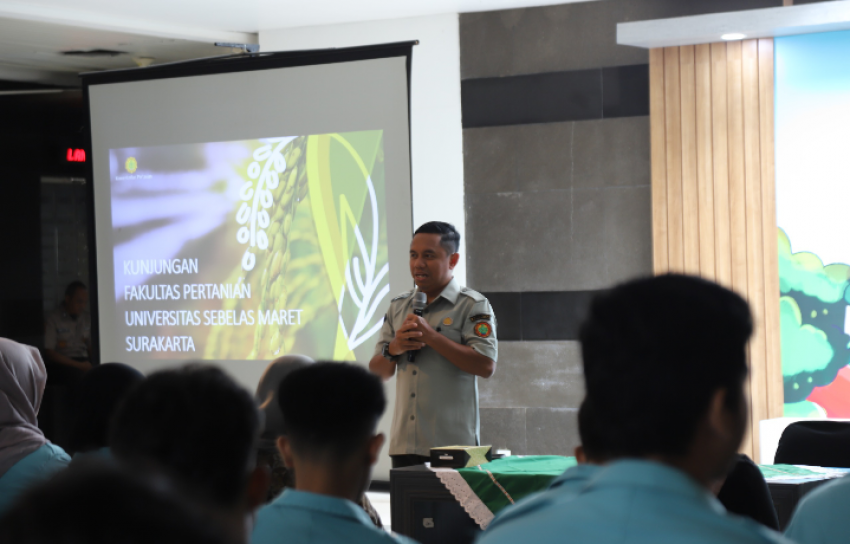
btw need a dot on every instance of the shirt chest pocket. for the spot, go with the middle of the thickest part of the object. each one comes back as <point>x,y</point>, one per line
<point>452,332</point>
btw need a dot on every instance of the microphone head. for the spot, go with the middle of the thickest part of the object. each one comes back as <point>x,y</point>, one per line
<point>420,300</point>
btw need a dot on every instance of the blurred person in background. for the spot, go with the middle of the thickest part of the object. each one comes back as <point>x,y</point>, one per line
<point>26,456</point>
<point>67,337</point>
<point>97,503</point>
<point>200,429</point>
<point>98,395</point>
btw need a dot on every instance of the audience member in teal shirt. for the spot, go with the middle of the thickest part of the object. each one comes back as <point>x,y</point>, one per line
<point>665,365</point>
<point>821,517</point>
<point>26,457</point>
<point>303,517</point>
<point>591,454</point>
<point>330,413</point>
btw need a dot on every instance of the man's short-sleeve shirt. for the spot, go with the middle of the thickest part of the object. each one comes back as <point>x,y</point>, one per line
<point>628,502</point>
<point>436,402</point>
<point>67,335</point>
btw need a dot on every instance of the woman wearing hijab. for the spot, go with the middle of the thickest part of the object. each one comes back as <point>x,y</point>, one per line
<point>267,453</point>
<point>26,457</point>
<point>99,393</point>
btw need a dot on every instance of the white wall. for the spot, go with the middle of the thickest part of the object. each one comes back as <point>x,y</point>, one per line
<point>436,132</point>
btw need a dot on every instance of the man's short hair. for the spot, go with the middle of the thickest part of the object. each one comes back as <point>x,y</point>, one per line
<point>449,236</point>
<point>96,503</point>
<point>73,287</point>
<point>194,424</point>
<point>655,352</point>
<point>330,409</point>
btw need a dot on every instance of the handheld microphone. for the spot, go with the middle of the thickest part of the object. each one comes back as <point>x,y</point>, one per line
<point>420,300</point>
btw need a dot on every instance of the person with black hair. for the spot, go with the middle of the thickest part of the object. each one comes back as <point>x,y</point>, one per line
<point>437,356</point>
<point>98,395</point>
<point>199,428</point>
<point>330,413</point>
<point>96,503</point>
<point>665,365</point>
<point>268,454</point>
<point>590,455</point>
<point>67,337</point>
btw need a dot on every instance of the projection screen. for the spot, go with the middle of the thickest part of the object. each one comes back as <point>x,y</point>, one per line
<point>245,208</point>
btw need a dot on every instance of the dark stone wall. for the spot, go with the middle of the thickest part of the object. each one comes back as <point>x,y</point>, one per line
<point>557,181</point>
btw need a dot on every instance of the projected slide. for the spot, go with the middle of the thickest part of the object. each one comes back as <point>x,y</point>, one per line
<point>812,200</point>
<point>250,249</point>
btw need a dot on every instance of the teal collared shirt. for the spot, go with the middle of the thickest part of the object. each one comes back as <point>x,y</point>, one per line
<point>32,469</point>
<point>568,484</point>
<point>821,517</point>
<point>436,403</point>
<point>299,517</point>
<point>630,502</point>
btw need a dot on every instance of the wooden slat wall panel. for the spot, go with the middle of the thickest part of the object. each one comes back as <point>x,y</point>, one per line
<point>705,160</point>
<point>690,189</point>
<point>719,119</point>
<point>754,225</point>
<point>658,159</point>
<point>773,363</point>
<point>737,194</point>
<point>673,125</point>
<point>714,209</point>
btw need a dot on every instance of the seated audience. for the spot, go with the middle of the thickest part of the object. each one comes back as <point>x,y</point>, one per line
<point>820,517</point>
<point>200,429</point>
<point>99,504</point>
<point>67,337</point>
<point>26,456</point>
<point>591,455</point>
<point>664,365</point>
<point>98,395</point>
<point>745,492</point>
<point>266,396</point>
<point>267,453</point>
<point>330,412</point>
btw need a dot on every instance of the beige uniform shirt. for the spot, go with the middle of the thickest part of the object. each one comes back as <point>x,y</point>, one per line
<point>436,402</point>
<point>67,335</point>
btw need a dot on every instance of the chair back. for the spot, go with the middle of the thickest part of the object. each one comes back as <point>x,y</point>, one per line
<point>815,443</point>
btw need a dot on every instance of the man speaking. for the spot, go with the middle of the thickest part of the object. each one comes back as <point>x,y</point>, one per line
<point>437,347</point>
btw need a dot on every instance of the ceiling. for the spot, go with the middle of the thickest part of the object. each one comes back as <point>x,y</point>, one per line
<point>35,33</point>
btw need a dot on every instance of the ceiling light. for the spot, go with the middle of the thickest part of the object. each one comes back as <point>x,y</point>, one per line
<point>733,36</point>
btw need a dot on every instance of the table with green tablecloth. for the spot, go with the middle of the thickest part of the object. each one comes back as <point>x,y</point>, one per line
<point>484,490</point>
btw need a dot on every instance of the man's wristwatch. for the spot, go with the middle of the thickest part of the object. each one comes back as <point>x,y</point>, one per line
<point>385,351</point>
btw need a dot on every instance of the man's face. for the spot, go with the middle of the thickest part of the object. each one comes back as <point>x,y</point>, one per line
<point>76,303</point>
<point>430,265</point>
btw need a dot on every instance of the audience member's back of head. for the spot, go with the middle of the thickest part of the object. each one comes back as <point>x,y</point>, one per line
<point>100,504</point>
<point>656,351</point>
<point>594,450</point>
<point>331,410</point>
<point>194,424</point>
<point>98,395</point>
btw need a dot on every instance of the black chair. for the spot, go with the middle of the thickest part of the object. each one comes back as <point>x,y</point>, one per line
<point>746,493</point>
<point>815,443</point>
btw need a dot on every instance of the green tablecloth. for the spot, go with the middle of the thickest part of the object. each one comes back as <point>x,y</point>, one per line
<point>514,477</point>
<point>496,484</point>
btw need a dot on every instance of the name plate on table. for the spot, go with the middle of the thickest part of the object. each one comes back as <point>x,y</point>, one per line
<point>460,456</point>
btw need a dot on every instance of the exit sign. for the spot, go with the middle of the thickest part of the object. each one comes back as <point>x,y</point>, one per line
<point>75,155</point>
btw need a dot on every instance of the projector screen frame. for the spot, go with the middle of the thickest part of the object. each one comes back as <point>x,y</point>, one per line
<point>247,62</point>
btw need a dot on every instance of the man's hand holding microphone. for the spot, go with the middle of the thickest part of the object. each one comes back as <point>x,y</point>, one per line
<point>415,333</point>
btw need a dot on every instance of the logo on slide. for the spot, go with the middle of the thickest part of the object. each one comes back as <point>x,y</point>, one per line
<point>130,165</point>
